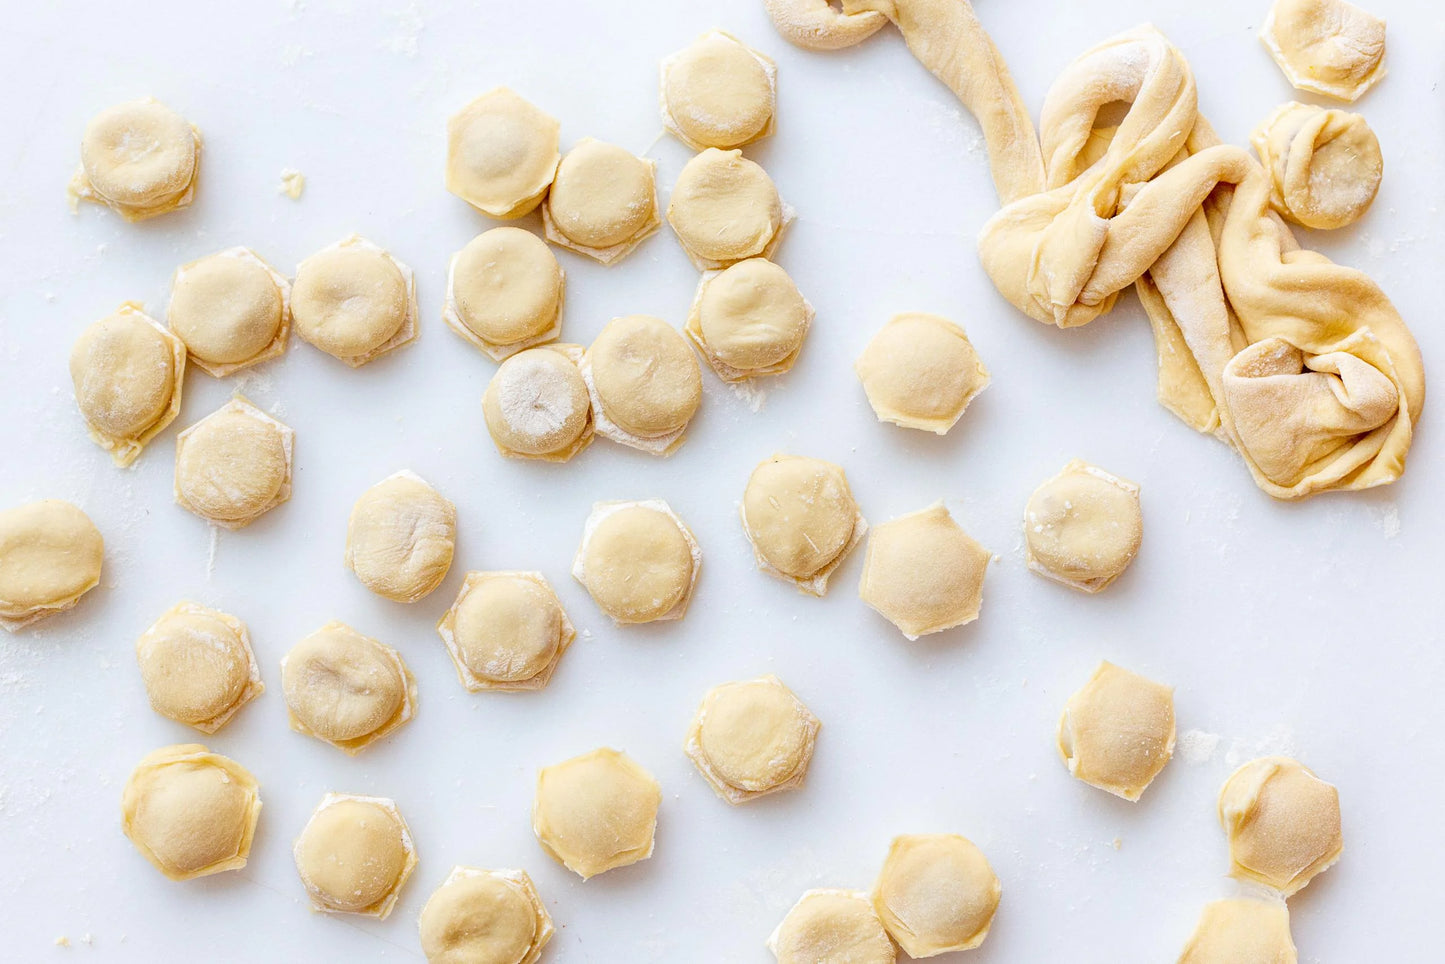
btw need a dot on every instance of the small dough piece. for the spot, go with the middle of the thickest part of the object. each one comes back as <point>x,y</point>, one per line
<point>638,561</point>
<point>50,556</point>
<point>749,320</point>
<point>139,159</point>
<point>128,372</point>
<point>354,855</point>
<point>198,666</point>
<point>537,405</point>
<point>1083,527</point>
<point>1326,46</point>
<point>506,631</point>
<point>346,688</point>
<point>801,519</point>
<point>501,154</point>
<point>923,573</point>
<point>1241,930</point>
<point>921,371</point>
<point>190,812</point>
<point>505,292</point>
<point>832,927</point>
<point>1283,823</point>
<point>1117,732</point>
<point>724,209</point>
<point>936,893</point>
<point>596,812</point>
<point>400,538</point>
<point>234,465</point>
<point>645,383</point>
<point>354,301</point>
<point>485,917</point>
<point>1324,165</point>
<point>232,310</point>
<point>818,25</point>
<point>752,738</point>
<point>718,92</point>
<point>603,202</point>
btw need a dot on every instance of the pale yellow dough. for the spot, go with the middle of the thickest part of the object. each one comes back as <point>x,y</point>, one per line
<point>1117,732</point>
<point>638,561</point>
<point>724,209</point>
<point>50,556</point>
<point>485,917</point>
<point>354,855</point>
<point>923,573</point>
<point>345,688</point>
<point>819,25</point>
<point>354,301</point>
<point>718,92</point>
<point>1325,165</point>
<point>645,383</point>
<point>921,371</point>
<point>128,372</point>
<point>832,927</point>
<point>1326,46</point>
<point>400,538</point>
<point>1241,930</point>
<point>231,309</point>
<point>190,812</point>
<point>537,405</point>
<point>505,292</point>
<point>749,320</point>
<point>139,159</point>
<point>752,738</point>
<point>596,812</point>
<point>501,154</point>
<point>234,465</point>
<point>603,201</point>
<point>801,519</point>
<point>937,893</point>
<point>506,631</point>
<point>1283,823</point>
<point>1083,527</point>
<point>198,666</point>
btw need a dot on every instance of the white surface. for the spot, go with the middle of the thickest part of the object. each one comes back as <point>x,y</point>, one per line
<point>1311,628</point>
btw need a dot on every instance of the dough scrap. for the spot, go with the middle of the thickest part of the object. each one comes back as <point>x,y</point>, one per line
<point>1326,46</point>
<point>1241,930</point>
<point>1283,823</point>
<point>537,405</point>
<point>50,555</point>
<point>831,926</point>
<point>596,812</point>
<point>638,561</point>
<point>485,917</point>
<point>1117,732</point>
<point>400,538</point>
<point>818,25</point>
<point>923,573</point>
<point>752,738</point>
<point>801,519</point>
<point>936,893</point>
<point>345,688</point>
<point>231,309</point>
<point>128,373</point>
<point>198,666</point>
<point>234,465</point>
<point>645,383</point>
<point>1324,165</point>
<point>724,209</point>
<point>506,631</point>
<point>1083,527</point>
<point>504,292</point>
<point>354,855</point>
<point>501,154</point>
<point>354,301</point>
<point>718,92</point>
<point>139,158</point>
<point>190,812</point>
<point>921,371</point>
<point>749,320</point>
<point>603,201</point>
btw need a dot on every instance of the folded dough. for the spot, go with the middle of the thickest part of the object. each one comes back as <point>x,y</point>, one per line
<point>603,201</point>
<point>354,855</point>
<point>504,292</point>
<point>198,666</point>
<point>501,154</point>
<point>724,209</point>
<point>1083,527</point>
<point>921,371</point>
<point>596,812</point>
<point>537,405</point>
<point>1324,165</point>
<point>234,465</point>
<point>749,320</point>
<point>345,688</point>
<point>139,159</point>
<point>506,631</point>
<point>232,310</point>
<point>400,537</point>
<point>1326,46</point>
<point>937,893</point>
<point>831,926</point>
<point>718,92</point>
<point>50,556</point>
<point>485,916</point>
<point>1117,732</point>
<point>644,382</point>
<point>128,372</point>
<point>923,573</point>
<point>801,519</point>
<point>1241,930</point>
<point>354,301</point>
<point>1283,823</point>
<point>638,561</point>
<point>752,738</point>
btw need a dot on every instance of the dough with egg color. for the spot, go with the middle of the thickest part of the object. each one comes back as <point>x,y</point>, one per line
<point>139,158</point>
<point>1324,165</point>
<point>1117,732</point>
<point>923,573</point>
<point>645,383</point>
<point>198,666</point>
<point>354,855</point>
<point>718,92</point>
<point>1083,527</point>
<point>921,371</point>
<point>485,917</point>
<point>234,465</point>
<point>400,538</point>
<point>345,688</point>
<point>801,519</point>
<point>50,556</point>
<point>725,209</point>
<point>638,561</point>
<point>537,405</point>
<point>752,738</point>
<point>749,320</point>
<point>354,301</point>
<point>1327,47</point>
<point>231,309</point>
<point>832,926</point>
<point>603,202</point>
<point>505,292</point>
<point>596,812</point>
<point>936,893</point>
<point>501,154</point>
<point>1241,930</point>
<point>1283,823</point>
<point>506,631</point>
<point>128,373</point>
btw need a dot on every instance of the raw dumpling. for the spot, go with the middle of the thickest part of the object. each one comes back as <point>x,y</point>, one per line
<point>645,383</point>
<point>485,917</point>
<point>603,201</point>
<point>1241,930</point>
<point>139,159</point>
<point>50,556</point>
<point>832,927</point>
<point>354,855</point>
<point>231,309</point>
<point>1326,46</point>
<point>346,688</point>
<point>354,301</point>
<point>596,812</point>
<point>749,320</point>
<point>400,538</point>
<point>506,631</point>
<point>1083,527</point>
<point>1117,732</point>
<point>504,292</point>
<point>936,893</point>
<point>1283,823</point>
<point>725,209</point>
<point>718,92</point>
<point>234,465</point>
<point>752,738</point>
<point>801,519</point>
<point>638,561</point>
<point>1324,165</point>
<point>921,371</point>
<point>537,405</point>
<point>923,573</point>
<point>198,666</point>
<point>128,372</point>
<point>501,154</point>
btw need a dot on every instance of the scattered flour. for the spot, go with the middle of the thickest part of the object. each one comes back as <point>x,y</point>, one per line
<point>1198,747</point>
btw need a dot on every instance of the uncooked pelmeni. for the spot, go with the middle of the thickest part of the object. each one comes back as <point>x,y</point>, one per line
<point>504,292</point>
<point>234,465</point>
<point>638,561</point>
<point>501,154</point>
<point>346,688</point>
<point>139,159</point>
<point>485,917</point>
<point>718,92</point>
<point>1325,165</point>
<point>1083,527</point>
<point>724,208</point>
<point>596,812</point>
<point>354,855</point>
<point>832,927</point>
<point>537,405</point>
<point>752,738</point>
<point>749,320</point>
<point>50,556</point>
<point>645,383</point>
<point>190,812</point>
<point>400,537</point>
<point>198,666</point>
<point>354,301</point>
<point>1326,46</point>
<point>923,573</point>
<point>128,372</point>
<point>232,310</point>
<point>1117,732</point>
<point>921,371</point>
<point>819,25</point>
<point>506,631</point>
<point>801,519</point>
<point>1241,930</point>
<point>936,893</point>
<point>603,201</point>
<point>1283,823</point>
